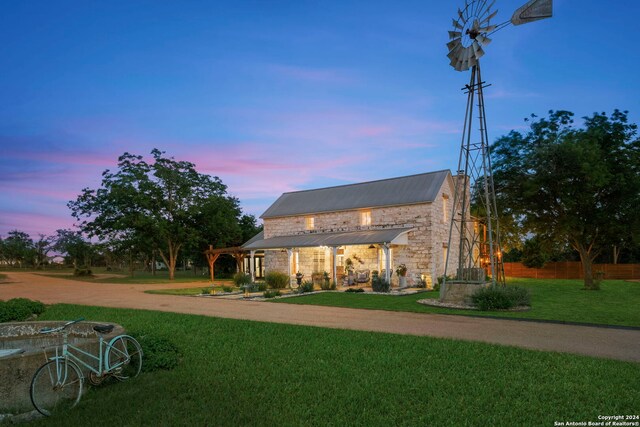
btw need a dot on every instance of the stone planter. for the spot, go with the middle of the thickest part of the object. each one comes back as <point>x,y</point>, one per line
<point>402,281</point>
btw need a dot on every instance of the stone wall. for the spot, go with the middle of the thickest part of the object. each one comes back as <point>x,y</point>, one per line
<point>424,253</point>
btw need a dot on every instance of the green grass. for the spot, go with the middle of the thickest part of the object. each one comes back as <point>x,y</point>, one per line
<point>563,300</point>
<point>237,372</point>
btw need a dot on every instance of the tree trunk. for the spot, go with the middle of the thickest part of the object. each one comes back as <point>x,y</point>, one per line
<point>586,260</point>
<point>173,258</point>
<point>616,254</point>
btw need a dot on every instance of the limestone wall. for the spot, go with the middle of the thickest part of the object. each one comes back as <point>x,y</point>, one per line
<point>424,253</point>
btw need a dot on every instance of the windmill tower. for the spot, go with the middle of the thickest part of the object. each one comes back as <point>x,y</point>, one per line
<point>474,222</point>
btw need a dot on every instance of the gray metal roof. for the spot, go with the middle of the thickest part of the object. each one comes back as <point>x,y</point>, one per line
<point>387,192</point>
<point>363,237</point>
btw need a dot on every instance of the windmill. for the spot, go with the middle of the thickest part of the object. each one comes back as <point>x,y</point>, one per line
<point>477,233</point>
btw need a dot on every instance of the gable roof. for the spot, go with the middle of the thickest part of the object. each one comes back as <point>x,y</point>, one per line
<point>404,190</point>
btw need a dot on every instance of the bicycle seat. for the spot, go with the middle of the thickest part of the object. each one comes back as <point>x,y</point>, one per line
<point>103,329</point>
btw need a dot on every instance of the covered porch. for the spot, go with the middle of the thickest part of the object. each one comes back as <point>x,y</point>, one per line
<point>337,253</point>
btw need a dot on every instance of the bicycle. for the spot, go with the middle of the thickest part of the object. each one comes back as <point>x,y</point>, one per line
<point>57,385</point>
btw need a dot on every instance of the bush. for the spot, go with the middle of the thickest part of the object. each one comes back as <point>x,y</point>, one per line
<point>19,309</point>
<point>271,294</point>
<point>276,280</point>
<point>82,272</point>
<point>356,290</point>
<point>159,352</point>
<point>328,286</point>
<point>500,298</point>
<point>227,289</point>
<point>378,284</point>
<point>306,286</point>
<point>240,279</point>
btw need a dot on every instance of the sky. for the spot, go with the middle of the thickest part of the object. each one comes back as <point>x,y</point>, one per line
<point>276,96</point>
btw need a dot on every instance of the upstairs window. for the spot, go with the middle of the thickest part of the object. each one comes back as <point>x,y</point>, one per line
<point>365,218</point>
<point>309,223</point>
<point>445,208</point>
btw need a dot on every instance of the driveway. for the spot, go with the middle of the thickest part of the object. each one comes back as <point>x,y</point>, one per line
<point>620,344</point>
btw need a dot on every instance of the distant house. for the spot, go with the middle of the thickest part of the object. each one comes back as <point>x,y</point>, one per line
<point>371,226</point>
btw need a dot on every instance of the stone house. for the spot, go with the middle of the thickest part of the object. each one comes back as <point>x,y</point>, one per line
<point>369,226</point>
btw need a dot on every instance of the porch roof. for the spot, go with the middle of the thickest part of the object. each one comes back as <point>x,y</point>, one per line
<point>397,236</point>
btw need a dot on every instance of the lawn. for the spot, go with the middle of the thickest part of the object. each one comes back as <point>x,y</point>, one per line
<point>262,374</point>
<point>190,291</point>
<point>562,300</point>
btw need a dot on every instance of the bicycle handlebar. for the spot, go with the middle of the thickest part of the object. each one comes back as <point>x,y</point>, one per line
<point>59,328</point>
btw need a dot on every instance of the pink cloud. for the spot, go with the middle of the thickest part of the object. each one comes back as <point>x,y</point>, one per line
<point>33,223</point>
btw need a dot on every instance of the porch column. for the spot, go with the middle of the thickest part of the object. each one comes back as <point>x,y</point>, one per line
<point>334,251</point>
<point>387,263</point>
<point>289,260</point>
<point>252,266</point>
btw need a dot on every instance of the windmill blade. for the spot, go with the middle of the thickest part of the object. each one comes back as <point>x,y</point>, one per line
<point>472,62</point>
<point>460,13</point>
<point>454,35</point>
<point>452,44</point>
<point>457,25</point>
<point>478,52</point>
<point>488,18</point>
<point>488,9</point>
<point>533,10</point>
<point>488,29</point>
<point>483,40</point>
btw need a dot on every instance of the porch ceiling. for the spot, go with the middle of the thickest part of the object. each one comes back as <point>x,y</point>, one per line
<point>396,236</point>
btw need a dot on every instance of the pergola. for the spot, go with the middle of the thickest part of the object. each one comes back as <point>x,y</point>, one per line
<point>212,255</point>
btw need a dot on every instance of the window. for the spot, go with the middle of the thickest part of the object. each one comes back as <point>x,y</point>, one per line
<point>445,252</point>
<point>365,218</point>
<point>445,208</point>
<point>310,223</point>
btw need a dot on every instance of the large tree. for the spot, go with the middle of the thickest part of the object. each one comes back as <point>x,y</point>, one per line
<point>18,248</point>
<point>576,185</point>
<point>163,201</point>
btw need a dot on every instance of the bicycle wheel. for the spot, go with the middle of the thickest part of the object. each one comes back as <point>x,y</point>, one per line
<point>56,387</point>
<point>124,357</point>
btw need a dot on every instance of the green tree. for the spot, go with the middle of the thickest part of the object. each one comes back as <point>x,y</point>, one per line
<point>564,184</point>
<point>74,246</point>
<point>163,201</point>
<point>41,249</point>
<point>18,248</point>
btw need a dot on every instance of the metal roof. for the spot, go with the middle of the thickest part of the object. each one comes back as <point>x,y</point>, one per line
<point>387,192</point>
<point>363,237</point>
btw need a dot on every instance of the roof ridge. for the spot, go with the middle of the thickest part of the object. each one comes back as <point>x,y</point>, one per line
<point>366,182</point>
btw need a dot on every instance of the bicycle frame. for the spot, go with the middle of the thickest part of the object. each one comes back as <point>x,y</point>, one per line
<point>101,369</point>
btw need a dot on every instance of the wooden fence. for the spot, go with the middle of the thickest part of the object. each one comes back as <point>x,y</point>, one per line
<point>571,270</point>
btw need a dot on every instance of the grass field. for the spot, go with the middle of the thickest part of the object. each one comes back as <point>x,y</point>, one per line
<point>563,300</point>
<point>260,374</point>
<point>189,291</point>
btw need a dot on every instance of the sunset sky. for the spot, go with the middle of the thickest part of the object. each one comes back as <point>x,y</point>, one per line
<point>275,96</point>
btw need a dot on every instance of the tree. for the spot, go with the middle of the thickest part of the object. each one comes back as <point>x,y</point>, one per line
<point>41,249</point>
<point>71,243</point>
<point>162,201</point>
<point>18,248</point>
<point>564,184</point>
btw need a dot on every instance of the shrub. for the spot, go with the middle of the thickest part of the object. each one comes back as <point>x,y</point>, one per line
<point>240,279</point>
<point>271,294</point>
<point>276,280</point>
<point>378,284</point>
<point>306,286</point>
<point>227,289</point>
<point>500,298</point>
<point>19,309</point>
<point>82,272</point>
<point>159,352</point>
<point>356,290</point>
<point>327,285</point>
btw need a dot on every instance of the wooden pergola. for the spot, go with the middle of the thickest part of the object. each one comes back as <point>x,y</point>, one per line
<point>212,255</point>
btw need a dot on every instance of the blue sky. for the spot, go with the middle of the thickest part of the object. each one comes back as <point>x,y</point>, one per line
<point>277,96</point>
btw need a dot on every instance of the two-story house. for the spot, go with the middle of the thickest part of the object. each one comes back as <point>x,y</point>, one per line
<point>369,226</point>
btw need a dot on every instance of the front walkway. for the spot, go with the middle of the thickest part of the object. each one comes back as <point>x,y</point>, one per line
<point>610,343</point>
